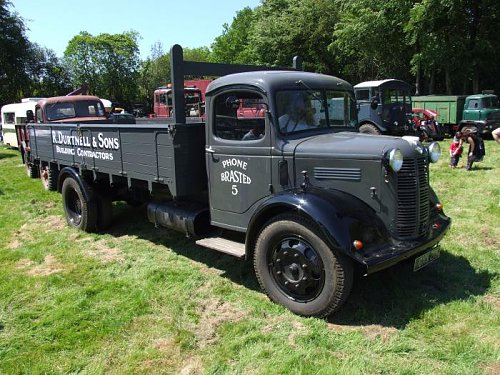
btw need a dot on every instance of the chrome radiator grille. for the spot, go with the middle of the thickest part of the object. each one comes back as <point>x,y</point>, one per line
<point>413,198</point>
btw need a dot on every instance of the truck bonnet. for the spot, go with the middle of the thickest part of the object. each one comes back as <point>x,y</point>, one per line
<point>350,145</point>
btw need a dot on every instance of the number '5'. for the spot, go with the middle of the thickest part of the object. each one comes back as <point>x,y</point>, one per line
<point>234,190</point>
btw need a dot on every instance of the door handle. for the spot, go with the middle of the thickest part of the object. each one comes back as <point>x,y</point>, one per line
<point>211,151</point>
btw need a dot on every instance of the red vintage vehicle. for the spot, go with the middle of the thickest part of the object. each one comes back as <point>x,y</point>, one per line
<point>425,125</point>
<point>194,98</point>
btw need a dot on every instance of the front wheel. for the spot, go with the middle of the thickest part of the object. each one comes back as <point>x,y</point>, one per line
<point>298,270</point>
<point>369,129</point>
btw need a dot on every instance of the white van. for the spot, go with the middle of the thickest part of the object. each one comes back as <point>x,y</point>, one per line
<point>15,114</point>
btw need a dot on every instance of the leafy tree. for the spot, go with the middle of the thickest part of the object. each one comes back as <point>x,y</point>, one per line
<point>282,29</point>
<point>15,49</point>
<point>456,44</point>
<point>48,75</point>
<point>369,39</point>
<point>107,62</point>
<point>233,46</point>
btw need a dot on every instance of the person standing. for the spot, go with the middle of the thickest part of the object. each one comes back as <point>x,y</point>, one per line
<point>476,147</point>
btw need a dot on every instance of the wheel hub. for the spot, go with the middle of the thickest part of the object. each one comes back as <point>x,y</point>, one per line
<point>298,269</point>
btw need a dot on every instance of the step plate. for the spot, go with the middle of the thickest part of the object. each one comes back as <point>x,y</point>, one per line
<point>223,245</point>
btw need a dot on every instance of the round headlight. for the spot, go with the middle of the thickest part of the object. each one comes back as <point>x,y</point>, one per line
<point>434,152</point>
<point>395,159</point>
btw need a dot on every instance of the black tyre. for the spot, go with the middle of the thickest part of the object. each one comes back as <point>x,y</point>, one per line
<point>104,212</point>
<point>297,269</point>
<point>32,170</point>
<point>80,212</point>
<point>49,176</point>
<point>369,129</point>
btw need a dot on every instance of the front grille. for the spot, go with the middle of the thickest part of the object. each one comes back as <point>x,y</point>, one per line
<point>413,213</point>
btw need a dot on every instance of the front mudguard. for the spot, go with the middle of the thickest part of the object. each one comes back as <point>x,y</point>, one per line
<point>341,218</point>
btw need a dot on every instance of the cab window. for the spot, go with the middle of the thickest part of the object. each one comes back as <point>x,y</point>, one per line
<point>473,104</point>
<point>363,94</point>
<point>232,119</point>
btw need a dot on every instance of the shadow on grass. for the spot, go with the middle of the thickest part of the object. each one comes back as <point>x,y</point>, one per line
<point>133,221</point>
<point>398,295</point>
<point>5,155</point>
<point>389,298</point>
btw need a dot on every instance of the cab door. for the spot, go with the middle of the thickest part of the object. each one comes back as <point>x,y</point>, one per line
<point>238,156</point>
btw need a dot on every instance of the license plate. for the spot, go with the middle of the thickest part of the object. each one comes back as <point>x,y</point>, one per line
<point>425,259</point>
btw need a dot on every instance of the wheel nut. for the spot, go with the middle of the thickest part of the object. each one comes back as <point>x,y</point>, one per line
<point>297,285</point>
<point>278,272</point>
<point>304,265</point>
<point>286,283</point>
<point>285,252</point>
<point>296,255</point>
<point>278,260</point>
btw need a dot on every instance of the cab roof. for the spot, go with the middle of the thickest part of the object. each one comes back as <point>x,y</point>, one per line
<point>67,99</point>
<point>272,80</point>
<point>383,82</point>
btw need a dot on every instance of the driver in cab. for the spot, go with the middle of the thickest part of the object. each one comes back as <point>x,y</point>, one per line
<point>299,114</point>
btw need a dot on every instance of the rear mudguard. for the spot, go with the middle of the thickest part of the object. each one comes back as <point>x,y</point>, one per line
<point>341,217</point>
<point>71,172</point>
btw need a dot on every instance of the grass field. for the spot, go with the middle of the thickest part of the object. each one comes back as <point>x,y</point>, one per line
<point>140,300</point>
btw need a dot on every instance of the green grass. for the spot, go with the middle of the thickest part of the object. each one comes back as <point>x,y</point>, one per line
<point>141,300</point>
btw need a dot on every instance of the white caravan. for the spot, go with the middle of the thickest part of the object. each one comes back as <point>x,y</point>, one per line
<point>15,114</point>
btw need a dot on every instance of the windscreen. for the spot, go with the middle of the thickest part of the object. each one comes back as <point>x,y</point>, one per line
<point>306,110</point>
<point>86,108</point>
<point>390,96</point>
<point>490,102</point>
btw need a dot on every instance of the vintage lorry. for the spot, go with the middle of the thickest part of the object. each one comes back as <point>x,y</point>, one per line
<point>384,107</point>
<point>308,206</point>
<point>455,112</point>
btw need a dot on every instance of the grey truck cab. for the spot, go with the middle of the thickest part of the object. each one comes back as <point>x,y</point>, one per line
<point>384,107</point>
<point>299,191</point>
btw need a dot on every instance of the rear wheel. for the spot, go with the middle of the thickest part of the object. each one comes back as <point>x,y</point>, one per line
<point>32,170</point>
<point>297,269</point>
<point>369,129</point>
<point>80,209</point>
<point>48,176</point>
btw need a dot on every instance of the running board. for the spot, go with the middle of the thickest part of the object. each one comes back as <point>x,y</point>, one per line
<point>223,245</point>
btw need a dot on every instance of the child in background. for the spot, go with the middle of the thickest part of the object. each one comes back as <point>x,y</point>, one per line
<point>456,149</point>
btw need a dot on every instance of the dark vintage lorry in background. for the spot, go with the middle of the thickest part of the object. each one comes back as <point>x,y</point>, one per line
<point>309,201</point>
<point>384,107</point>
<point>456,112</point>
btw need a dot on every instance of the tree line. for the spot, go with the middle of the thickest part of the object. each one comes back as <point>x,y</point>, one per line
<point>439,46</point>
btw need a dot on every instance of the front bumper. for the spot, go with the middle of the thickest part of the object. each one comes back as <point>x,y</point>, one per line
<point>398,251</point>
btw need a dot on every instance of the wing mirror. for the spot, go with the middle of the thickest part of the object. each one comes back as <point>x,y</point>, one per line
<point>30,117</point>
<point>232,102</point>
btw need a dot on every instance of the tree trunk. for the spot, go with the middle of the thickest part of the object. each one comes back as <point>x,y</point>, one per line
<point>432,82</point>
<point>447,77</point>
<point>417,81</point>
